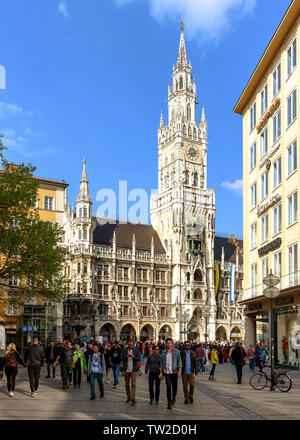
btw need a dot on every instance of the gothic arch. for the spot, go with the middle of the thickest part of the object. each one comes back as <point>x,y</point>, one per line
<point>197,294</point>
<point>128,330</point>
<point>197,275</point>
<point>181,83</point>
<point>197,313</point>
<point>165,330</point>
<point>221,333</point>
<point>146,331</point>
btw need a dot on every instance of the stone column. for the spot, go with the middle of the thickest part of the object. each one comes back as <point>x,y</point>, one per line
<point>250,330</point>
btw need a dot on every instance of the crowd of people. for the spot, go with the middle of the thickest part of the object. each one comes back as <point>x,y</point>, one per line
<point>163,361</point>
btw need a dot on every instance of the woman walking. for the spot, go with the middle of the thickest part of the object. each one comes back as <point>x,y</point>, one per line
<point>214,359</point>
<point>154,368</point>
<point>10,361</point>
<point>79,365</point>
<point>251,357</point>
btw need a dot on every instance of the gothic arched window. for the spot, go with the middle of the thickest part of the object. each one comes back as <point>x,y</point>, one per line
<point>196,179</point>
<point>187,178</point>
<point>189,112</point>
<point>85,212</point>
<point>181,83</point>
<point>80,212</point>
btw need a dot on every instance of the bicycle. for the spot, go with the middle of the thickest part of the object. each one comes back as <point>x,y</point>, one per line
<point>282,380</point>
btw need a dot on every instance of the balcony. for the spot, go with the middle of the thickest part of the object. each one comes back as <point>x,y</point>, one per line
<point>288,281</point>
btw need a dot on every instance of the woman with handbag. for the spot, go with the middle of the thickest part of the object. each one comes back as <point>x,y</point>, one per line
<point>10,362</point>
<point>238,356</point>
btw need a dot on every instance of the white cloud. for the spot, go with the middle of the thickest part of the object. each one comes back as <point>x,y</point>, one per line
<point>63,10</point>
<point>205,19</point>
<point>9,109</point>
<point>236,186</point>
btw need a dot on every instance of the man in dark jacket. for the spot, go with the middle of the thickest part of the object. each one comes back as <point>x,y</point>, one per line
<point>115,359</point>
<point>89,351</point>
<point>66,360</point>
<point>188,372</point>
<point>33,358</point>
<point>51,354</point>
<point>130,356</point>
<point>237,355</point>
<point>153,365</point>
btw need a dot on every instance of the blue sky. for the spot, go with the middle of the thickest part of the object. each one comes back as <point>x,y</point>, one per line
<point>89,79</point>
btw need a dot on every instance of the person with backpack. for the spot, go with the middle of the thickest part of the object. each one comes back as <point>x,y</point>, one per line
<point>10,363</point>
<point>33,358</point>
<point>96,370</point>
<point>238,355</point>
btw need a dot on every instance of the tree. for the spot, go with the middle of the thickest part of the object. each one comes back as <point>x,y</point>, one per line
<point>31,250</point>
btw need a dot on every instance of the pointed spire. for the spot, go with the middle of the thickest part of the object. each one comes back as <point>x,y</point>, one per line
<point>203,115</point>
<point>161,119</point>
<point>222,259</point>
<point>84,193</point>
<point>182,60</point>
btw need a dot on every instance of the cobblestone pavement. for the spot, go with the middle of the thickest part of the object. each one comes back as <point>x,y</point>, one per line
<point>222,399</point>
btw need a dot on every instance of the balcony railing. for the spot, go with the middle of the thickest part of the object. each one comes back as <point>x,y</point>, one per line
<point>286,282</point>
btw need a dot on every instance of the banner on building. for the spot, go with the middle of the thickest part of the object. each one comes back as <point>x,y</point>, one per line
<point>232,281</point>
<point>217,280</point>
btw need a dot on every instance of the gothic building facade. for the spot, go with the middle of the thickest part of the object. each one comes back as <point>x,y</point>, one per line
<point>160,280</point>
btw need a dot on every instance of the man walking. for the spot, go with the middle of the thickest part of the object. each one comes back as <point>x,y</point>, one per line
<point>130,356</point>
<point>96,370</point>
<point>33,358</point>
<point>200,357</point>
<point>115,359</point>
<point>238,354</point>
<point>189,370</point>
<point>154,367</point>
<point>66,359</point>
<point>51,355</point>
<point>171,368</point>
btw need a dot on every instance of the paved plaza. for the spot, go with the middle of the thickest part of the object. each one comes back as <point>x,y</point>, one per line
<point>222,399</point>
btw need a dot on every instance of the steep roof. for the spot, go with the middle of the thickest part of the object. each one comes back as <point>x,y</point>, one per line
<point>103,234</point>
<point>229,248</point>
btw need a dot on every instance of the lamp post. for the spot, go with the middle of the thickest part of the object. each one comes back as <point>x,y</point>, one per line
<point>271,292</point>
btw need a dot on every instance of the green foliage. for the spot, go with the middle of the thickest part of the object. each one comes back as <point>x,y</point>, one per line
<point>30,249</point>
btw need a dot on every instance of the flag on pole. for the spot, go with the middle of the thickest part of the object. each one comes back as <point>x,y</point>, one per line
<point>232,281</point>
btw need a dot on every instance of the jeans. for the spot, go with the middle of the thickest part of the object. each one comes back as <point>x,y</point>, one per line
<point>65,370</point>
<point>212,371</point>
<point>252,363</point>
<point>171,384</point>
<point>34,375</point>
<point>200,363</point>
<point>154,378</point>
<point>130,377</point>
<point>11,374</point>
<point>116,371</point>
<point>188,382</point>
<point>239,372</point>
<point>142,358</point>
<point>77,375</point>
<point>97,376</point>
<point>49,363</point>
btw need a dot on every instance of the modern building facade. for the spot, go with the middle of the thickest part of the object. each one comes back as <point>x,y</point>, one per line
<point>153,281</point>
<point>269,105</point>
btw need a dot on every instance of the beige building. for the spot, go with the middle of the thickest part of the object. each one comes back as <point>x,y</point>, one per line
<point>269,105</point>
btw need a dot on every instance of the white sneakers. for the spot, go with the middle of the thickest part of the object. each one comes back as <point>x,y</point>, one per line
<point>34,394</point>
<point>11,394</point>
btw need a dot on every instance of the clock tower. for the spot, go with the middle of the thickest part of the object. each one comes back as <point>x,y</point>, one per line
<point>183,210</point>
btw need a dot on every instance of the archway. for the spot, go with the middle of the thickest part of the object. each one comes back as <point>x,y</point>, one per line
<point>165,332</point>
<point>193,334</point>
<point>221,334</point>
<point>128,331</point>
<point>197,313</point>
<point>108,333</point>
<point>198,275</point>
<point>146,333</point>
<point>235,334</point>
<point>197,294</point>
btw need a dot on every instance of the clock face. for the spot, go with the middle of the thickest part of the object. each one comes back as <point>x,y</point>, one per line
<point>192,152</point>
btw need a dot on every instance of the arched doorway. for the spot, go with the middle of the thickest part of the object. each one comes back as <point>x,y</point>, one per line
<point>67,331</point>
<point>193,334</point>
<point>165,332</point>
<point>197,313</point>
<point>127,332</point>
<point>146,333</point>
<point>235,334</point>
<point>221,334</point>
<point>107,332</point>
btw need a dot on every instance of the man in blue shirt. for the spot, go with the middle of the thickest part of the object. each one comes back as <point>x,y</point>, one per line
<point>189,370</point>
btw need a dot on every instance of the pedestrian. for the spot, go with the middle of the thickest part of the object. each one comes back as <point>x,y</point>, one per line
<point>130,357</point>
<point>87,354</point>
<point>238,354</point>
<point>51,354</point>
<point>10,364</point>
<point>66,360</point>
<point>153,366</point>
<point>261,353</point>
<point>107,363</point>
<point>115,360</point>
<point>171,365</point>
<point>225,353</point>
<point>200,357</point>
<point>96,370</point>
<point>189,371</point>
<point>33,358</point>
<point>214,359</point>
<point>79,365</point>
<point>251,357</point>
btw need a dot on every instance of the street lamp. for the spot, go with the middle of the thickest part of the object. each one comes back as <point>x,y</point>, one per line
<point>271,292</point>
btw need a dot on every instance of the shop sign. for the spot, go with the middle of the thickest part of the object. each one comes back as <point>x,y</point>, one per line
<point>263,208</point>
<point>269,247</point>
<point>286,300</point>
<point>8,322</point>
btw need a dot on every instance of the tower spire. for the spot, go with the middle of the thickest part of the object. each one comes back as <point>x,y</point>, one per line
<point>182,60</point>
<point>84,193</point>
<point>161,119</point>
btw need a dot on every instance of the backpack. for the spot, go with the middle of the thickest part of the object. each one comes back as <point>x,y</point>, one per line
<point>10,360</point>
